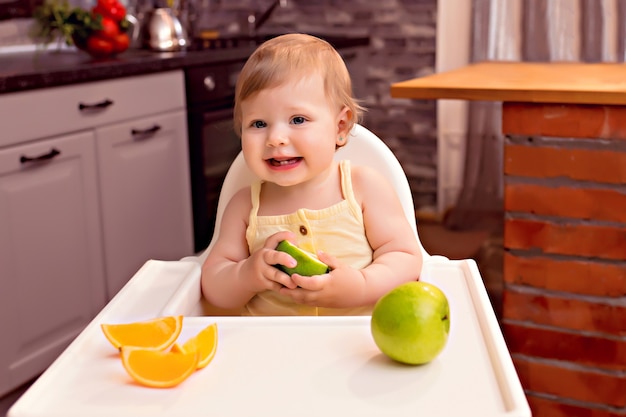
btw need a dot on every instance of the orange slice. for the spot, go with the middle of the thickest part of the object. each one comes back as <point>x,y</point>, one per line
<point>159,333</point>
<point>177,348</point>
<point>156,368</point>
<point>205,343</point>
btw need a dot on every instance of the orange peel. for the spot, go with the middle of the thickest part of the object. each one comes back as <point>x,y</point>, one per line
<point>158,369</point>
<point>205,343</point>
<point>159,333</point>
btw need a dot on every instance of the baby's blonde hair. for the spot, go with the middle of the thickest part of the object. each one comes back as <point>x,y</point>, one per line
<point>296,55</point>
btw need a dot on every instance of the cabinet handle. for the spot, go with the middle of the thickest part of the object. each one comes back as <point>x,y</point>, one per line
<point>143,132</point>
<point>209,83</point>
<point>101,105</point>
<point>53,152</point>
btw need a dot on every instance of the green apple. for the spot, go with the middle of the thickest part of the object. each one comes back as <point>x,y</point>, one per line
<point>307,263</point>
<point>411,323</point>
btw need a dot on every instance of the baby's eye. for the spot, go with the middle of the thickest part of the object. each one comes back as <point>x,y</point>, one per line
<point>258,124</point>
<point>298,120</point>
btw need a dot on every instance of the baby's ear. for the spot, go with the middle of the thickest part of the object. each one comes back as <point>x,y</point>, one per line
<point>344,122</point>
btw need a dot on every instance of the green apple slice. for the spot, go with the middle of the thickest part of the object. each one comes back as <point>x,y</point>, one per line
<point>308,264</point>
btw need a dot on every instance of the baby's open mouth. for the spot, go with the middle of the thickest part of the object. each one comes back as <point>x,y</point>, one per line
<point>283,162</point>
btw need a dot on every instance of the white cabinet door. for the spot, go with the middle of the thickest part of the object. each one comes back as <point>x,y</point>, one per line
<point>145,194</point>
<point>51,267</point>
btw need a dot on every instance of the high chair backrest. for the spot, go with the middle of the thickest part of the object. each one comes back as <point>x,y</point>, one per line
<point>363,148</point>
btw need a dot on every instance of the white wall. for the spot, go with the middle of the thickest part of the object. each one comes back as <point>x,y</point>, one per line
<point>453,48</point>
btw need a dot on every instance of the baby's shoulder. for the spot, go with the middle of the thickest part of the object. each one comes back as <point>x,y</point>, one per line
<point>241,199</point>
<point>366,176</point>
<point>369,184</point>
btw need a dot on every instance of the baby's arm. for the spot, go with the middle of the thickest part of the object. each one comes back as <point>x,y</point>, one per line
<point>397,254</point>
<point>397,257</point>
<point>230,275</point>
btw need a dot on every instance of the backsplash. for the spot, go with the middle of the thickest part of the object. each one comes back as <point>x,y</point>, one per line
<point>14,33</point>
<point>402,46</point>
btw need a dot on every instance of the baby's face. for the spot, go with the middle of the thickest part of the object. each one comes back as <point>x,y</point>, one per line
<point>289,132</point>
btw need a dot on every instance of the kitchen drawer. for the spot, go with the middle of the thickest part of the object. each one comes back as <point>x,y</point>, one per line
<point>36,114</point>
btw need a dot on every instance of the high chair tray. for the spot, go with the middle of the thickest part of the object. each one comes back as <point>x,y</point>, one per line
<point>294,366</point>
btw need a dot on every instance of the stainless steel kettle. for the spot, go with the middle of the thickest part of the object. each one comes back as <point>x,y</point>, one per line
<point>162,31</point>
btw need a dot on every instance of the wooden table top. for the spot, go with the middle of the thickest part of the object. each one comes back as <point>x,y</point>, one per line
<point>580,83</point>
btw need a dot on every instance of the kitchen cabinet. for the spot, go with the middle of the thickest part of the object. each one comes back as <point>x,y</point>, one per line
<point>94,181</point>
<point>145,194</point>
<point>51,266</point>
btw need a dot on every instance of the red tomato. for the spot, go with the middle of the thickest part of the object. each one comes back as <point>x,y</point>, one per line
<point>117,12</point>
<point>110,29</point>
<point>101,9</point>
<point>111,9</point>
<point>107,3</point>
<point>98,46</point>
<point>121,43</point>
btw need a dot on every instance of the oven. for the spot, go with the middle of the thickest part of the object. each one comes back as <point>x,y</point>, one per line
<point>213,144</point>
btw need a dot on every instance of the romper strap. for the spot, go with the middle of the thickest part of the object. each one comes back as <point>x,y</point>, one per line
<point>347,190</point>
<point>255,196</point>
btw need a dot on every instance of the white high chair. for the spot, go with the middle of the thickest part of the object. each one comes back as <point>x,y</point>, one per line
<point>475,364</point>
<point>363,148</point>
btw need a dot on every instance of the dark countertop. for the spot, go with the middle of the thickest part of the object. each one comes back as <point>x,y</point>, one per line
<point>52,67</point>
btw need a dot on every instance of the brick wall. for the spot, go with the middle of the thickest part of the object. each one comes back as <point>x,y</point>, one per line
<point>564,304</point>
<point>402,47</point>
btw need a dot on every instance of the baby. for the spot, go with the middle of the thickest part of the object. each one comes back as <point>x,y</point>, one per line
<point>293,109</point>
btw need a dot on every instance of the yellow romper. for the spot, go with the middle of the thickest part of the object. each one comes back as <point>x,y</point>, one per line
<point>337,230</point>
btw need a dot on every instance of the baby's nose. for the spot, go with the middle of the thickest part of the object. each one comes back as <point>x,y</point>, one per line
<point>277,137</point>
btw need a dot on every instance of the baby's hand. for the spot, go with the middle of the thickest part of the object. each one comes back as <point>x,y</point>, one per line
<point>261,263</point>
<point>317,282</point>
<point>342,287</point>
